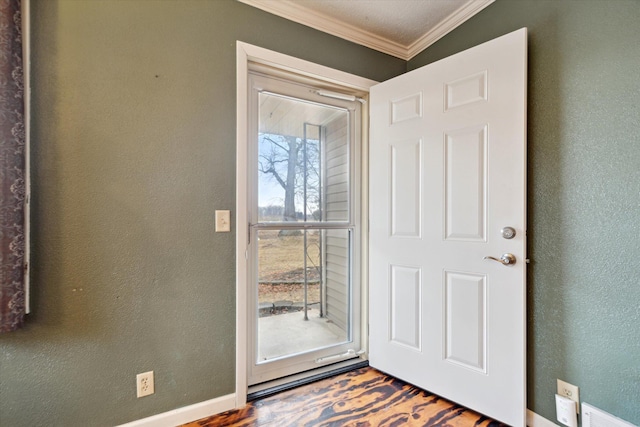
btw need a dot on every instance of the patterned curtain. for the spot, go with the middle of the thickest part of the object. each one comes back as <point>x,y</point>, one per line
<point>12,168</point>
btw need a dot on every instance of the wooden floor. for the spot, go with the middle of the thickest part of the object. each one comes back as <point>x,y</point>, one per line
<point>364,398</point>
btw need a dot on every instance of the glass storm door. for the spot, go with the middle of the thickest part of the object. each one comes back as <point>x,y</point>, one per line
<point>304,292</point>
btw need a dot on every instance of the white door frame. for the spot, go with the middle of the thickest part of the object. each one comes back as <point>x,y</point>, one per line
<point>246,53</point>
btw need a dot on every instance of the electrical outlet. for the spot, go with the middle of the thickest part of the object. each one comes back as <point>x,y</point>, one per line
<point>144,384</point>
<point>570,392</point>
<point>223,221</point>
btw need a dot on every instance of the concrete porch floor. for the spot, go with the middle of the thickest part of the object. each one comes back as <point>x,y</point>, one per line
<point>286,334</point>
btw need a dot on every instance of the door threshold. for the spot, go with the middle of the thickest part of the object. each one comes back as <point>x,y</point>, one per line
<point>269,388</point>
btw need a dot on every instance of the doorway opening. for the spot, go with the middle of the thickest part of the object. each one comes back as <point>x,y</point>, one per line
<point>445,139</point>
<point>304,216</point>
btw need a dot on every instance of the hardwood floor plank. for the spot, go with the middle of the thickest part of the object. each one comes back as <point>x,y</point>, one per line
<point>360,398</point>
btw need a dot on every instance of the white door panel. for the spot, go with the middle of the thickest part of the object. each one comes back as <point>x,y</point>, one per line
<point>447,173</point>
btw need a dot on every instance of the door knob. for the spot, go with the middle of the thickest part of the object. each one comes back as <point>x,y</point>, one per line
<point>505,259</point>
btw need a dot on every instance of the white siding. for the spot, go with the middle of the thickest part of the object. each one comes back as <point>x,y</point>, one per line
<point>336,205</point>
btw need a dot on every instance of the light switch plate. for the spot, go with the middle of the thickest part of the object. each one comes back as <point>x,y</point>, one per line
<point>223,221</point>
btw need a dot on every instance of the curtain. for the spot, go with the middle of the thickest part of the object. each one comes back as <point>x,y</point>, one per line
<point>12,168</point>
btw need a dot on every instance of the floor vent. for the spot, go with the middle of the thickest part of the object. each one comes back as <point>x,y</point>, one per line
<point>594,417</point>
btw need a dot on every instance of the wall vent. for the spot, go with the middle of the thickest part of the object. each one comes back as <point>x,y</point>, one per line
<point>594,417</point>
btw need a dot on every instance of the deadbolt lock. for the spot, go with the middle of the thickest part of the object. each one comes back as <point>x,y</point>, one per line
<point>508,232</point>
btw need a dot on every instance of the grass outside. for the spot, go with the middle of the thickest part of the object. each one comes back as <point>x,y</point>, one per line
<point>281,267</point>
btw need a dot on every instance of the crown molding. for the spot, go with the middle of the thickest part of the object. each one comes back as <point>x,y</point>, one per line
<point>447,25</point>
<point>300,14</point>
<point>295,12</point>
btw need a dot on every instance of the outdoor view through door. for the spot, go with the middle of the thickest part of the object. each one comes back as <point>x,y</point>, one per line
<point>303,229</point>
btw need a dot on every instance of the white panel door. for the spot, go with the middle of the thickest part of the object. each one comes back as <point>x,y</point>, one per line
<point>447,174</point>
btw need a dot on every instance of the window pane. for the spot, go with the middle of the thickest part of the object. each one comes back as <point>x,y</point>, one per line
<point>303,161</point>
<point>290,262</point>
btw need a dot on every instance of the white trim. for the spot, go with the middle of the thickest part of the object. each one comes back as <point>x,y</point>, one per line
<point>298,66</point>
<point>364,234</point>
<point>535,420</point>
<point>244,54</point>
<point>224,403</point>
<point>298,13</point>
<point>447,25</point>
<point>242,221</point>
<point>186,414</point>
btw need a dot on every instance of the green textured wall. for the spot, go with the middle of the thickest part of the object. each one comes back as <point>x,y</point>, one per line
<point>584,193</point>
<point>133,150</point>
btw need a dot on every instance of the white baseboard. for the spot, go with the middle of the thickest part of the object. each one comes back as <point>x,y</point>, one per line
<point>535,420</point>
<point>187,413</point>
<point>225,403</point>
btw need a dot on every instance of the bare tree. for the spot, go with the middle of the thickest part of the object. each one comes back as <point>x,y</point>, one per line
<point>280,161</point>
<point>294,164</point>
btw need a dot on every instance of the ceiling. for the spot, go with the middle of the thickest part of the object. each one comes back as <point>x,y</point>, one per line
<point>402,28</point>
